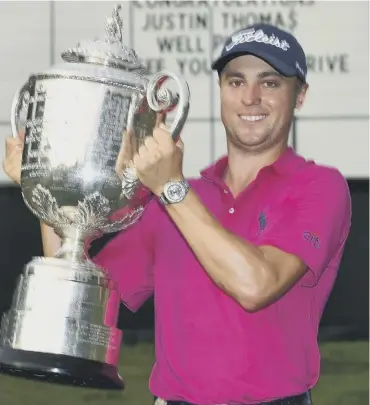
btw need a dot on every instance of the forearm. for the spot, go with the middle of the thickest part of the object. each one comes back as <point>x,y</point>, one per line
<point>50,240</point>
<point>236,266</point>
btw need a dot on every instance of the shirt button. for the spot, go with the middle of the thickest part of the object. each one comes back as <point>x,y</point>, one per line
<point>231,210</point>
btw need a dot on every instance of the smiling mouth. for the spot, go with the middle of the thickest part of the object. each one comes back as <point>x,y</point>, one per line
<point>253,118</point>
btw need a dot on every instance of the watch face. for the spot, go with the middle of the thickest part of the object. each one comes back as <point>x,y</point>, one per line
<point>175,192</point>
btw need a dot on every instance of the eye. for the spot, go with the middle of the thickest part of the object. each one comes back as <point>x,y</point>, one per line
<point>235,83</point>
<point>270,84</point>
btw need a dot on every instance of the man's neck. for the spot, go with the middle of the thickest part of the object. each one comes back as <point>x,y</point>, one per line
<point>243,167</point>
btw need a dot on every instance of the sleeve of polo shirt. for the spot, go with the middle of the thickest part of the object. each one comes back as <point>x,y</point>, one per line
<point>128,259</point>
<point>312,222</point>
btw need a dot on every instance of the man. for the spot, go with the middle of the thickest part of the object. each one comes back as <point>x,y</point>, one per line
<point>243,259</point>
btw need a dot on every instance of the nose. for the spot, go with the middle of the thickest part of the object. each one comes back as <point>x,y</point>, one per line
<point>251,94</point>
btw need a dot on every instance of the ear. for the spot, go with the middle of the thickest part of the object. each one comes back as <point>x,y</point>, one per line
<point>219,79</point>
<point>301,96</point>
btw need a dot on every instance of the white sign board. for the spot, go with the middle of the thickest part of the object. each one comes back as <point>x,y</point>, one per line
<point>185,36</point>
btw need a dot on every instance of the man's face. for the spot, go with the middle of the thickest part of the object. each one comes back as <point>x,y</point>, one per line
<point>257,103</point>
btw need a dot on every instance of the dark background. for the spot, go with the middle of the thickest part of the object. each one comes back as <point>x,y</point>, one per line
<point>347,312</point>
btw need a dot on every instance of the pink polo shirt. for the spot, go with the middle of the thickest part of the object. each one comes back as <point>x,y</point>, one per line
<point>209,350</point>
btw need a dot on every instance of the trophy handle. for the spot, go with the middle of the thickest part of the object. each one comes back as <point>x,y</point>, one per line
<point>20,97</point>
<point>160,99</point>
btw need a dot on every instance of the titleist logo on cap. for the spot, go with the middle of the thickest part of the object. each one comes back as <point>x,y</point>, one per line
<point>251,35</point>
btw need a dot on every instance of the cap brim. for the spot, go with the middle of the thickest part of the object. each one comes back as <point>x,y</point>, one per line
<point>277,64</point>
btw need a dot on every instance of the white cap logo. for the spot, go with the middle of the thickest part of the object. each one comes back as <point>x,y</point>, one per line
<point>251,35</point>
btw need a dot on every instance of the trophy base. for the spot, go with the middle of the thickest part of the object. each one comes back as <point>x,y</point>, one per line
<point>59,369</point>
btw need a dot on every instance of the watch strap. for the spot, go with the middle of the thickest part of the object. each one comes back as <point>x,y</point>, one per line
<point>163,199</point>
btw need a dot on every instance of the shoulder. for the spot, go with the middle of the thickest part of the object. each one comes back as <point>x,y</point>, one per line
<point>323,194</point>
<point>321,180</point>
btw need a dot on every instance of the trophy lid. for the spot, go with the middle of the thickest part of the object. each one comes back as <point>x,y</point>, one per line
<point>109,52</point>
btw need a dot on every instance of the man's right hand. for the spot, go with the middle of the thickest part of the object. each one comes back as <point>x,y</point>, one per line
<point>13,157</point>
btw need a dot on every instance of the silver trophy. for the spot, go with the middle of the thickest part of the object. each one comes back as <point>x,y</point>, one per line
<point>85,119</point>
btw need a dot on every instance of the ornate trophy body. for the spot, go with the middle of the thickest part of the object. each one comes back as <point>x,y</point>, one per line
<point>86,118</point>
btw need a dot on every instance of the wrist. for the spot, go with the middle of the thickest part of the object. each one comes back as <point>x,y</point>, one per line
<point>174,191</point>
<point>159,190</point>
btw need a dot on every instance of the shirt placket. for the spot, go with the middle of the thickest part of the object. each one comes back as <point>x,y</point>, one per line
<point>229,201</point>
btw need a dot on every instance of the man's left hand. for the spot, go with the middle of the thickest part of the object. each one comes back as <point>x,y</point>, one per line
<point>159,160</point>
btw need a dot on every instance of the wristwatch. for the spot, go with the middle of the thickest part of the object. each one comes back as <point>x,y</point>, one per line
<point>174,192</point>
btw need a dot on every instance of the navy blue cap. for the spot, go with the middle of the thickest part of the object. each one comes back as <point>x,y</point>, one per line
<point>278,48</point>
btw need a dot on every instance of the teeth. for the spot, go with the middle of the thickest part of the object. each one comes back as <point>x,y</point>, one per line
<point>252,117</point>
